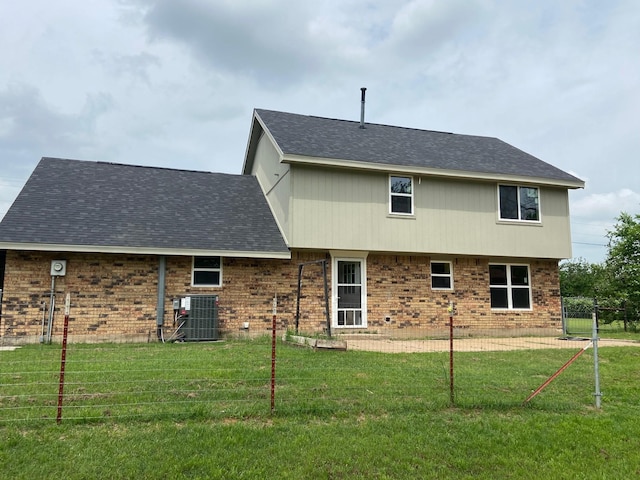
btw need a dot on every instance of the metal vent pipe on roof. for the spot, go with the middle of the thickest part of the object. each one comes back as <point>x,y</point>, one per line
<point>363,90</point>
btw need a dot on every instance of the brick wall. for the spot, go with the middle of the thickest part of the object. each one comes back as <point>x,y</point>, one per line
<point>417,308</point>
<point>249,286</point>
<point>113,296</point>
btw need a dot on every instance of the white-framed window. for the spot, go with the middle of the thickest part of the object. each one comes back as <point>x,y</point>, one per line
<point>519,203</point>
<point>441,275</point>
<point>510,287</point>
<point>400,195</point>
<point>206,272</point>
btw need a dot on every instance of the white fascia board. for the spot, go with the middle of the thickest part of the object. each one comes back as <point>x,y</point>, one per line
<point>50,247</point>
<point>254,139</point>
<point>432,172</point>
<point>268,133</point>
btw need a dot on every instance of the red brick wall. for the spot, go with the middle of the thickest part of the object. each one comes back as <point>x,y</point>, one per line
<point>113,296</point>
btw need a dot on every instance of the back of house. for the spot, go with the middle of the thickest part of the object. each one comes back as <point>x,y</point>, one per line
<point>404,221</point>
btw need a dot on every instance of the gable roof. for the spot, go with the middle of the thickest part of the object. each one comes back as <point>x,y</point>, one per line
<point>73,205</point>
<point>342,143</point>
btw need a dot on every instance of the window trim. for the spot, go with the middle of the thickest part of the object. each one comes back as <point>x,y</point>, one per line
<point>519,219</point>
<point>440,275</point>
<point>195,269</point>
<point>348,257</point>
<point>509,287</point>
<point>392,194</point>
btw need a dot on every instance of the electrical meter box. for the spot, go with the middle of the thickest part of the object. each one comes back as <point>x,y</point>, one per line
<point>58,268</point>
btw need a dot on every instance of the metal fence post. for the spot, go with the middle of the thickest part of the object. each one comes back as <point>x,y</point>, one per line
<point>273,353</point>
<point>452,312</point>
<point>596,369</point>
<point>563,316</point>
<point>63,360</point>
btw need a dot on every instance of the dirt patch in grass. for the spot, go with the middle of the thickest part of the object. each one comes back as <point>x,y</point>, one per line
<point>373,344</point>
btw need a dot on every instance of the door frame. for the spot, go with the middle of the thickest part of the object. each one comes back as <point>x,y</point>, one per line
<point>343,256</point>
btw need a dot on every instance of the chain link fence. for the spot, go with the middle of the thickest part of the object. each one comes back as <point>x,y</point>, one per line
<point>611,314</point>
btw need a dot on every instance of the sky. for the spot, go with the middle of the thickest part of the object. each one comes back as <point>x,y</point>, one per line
<point>174,83</point>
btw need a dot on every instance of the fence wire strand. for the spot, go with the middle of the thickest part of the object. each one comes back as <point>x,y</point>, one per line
<point>348,374</point>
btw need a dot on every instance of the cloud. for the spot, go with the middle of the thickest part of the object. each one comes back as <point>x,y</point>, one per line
<point>607,205</point>
<point>420,27</point>
<point>595,214</point>
<point>137,67</point>
<point>280,44</point>
<point>28,120</point>
<point>252,39</point>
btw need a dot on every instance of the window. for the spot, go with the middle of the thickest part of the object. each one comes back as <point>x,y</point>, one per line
<point>207,272</point>
<point>401,195</point>
<point>441,276</point>
<point>509,286</point>
<point>519,203</point>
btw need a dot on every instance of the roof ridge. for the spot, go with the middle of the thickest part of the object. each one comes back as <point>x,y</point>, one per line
<point>366,123</point>
<point>152,167</point>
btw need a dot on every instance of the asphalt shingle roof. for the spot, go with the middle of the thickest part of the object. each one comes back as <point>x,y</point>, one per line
<point>327,138</point>
<point>81,203</point>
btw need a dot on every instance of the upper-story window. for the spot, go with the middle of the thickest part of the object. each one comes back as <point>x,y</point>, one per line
<point>207,272</point>
<point>519,203</point>
<point>401,195</point>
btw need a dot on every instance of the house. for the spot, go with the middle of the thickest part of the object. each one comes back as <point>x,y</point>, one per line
<point>406,220</point>
<point>412,219</point>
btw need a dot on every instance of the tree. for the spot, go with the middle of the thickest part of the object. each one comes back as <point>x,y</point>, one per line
<point>579,278</point>
<point>623,261</point>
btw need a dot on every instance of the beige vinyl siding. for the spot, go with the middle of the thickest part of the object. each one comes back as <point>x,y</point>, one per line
<point>348,210</point>
<point>274,179</point>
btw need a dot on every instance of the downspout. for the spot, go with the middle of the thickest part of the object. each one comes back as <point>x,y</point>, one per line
<point>162,269</point>
<point>52,306</point>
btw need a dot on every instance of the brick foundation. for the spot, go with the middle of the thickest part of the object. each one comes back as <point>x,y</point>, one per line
<point>113,296</point>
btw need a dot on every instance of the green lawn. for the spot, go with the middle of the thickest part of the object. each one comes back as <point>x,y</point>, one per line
<point>615,329</point>
<point>203,411</point>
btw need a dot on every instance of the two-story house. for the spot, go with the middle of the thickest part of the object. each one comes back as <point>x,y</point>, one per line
<point>407,221</point>
<point>412,219</point>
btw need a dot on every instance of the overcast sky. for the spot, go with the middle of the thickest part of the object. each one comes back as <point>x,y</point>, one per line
<point>174,83</point>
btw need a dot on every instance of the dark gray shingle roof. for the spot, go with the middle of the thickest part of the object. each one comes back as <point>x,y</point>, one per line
<point>405,147</point>
<point>81,203</point>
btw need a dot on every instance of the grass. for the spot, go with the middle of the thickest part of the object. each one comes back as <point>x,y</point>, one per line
<point>614,329</point>
<point>202,411</point>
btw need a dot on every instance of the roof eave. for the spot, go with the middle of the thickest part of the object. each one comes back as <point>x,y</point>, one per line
<point>52,247</point>
<point>435,172</point>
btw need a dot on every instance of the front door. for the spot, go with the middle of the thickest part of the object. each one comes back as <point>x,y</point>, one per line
<point>350,293</point>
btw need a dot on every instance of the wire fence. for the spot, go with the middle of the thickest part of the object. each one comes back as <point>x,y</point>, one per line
<point>610,314</point>
<point>283,372</point>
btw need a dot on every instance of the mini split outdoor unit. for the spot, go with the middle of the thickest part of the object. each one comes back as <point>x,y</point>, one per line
<point>197,318</point>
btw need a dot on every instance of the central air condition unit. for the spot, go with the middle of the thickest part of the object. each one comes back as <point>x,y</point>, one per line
<point>200,316</point>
